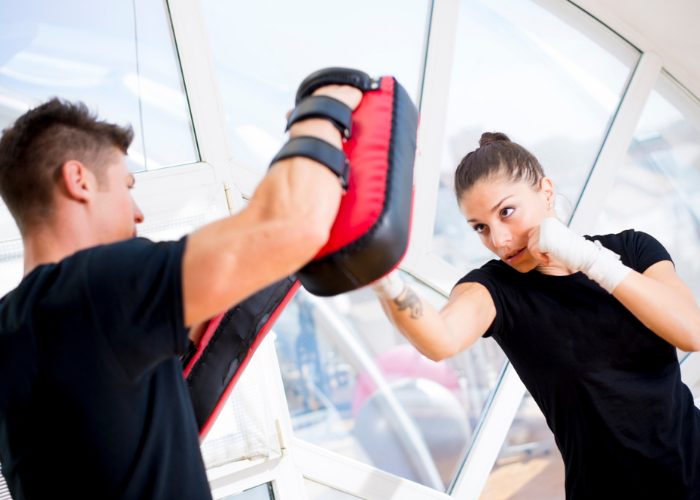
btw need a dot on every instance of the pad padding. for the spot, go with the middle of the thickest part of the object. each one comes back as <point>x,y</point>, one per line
<point>227,346</point>
<point>371,231</point>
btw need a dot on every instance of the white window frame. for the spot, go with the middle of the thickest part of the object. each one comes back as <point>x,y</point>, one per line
<point>229,184</point>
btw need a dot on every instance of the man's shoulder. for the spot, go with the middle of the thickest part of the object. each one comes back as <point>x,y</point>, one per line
<point>131,245</point>
<point>14,304</point>
<point>131,253</point>
<point>67,273</point>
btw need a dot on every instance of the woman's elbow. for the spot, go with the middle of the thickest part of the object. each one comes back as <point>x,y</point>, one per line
<point>693,335</point>
<point>439,352</point>
<point>435,355</point>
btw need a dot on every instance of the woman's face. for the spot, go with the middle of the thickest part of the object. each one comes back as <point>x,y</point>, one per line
<point>503,212</point>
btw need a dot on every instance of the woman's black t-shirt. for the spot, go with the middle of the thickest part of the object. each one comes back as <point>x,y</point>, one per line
<point>610,388</point>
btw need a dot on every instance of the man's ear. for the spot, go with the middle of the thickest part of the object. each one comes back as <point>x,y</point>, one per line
<point>76,180</point>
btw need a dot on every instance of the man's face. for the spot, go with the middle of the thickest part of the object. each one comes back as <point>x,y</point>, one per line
<point>116,212</point>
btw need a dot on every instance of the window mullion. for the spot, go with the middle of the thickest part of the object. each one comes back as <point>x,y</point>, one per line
<point>438,70</point>
<point>206,104</point>
<point>612,153</point>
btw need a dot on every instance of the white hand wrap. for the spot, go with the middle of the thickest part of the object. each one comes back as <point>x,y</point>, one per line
<point>597,262</point>
<point>390,286</point>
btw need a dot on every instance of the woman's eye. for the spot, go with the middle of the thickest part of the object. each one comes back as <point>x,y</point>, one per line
<point>507,211</point>
<point>479,228</point>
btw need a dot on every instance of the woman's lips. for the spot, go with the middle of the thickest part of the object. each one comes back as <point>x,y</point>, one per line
<point>511,258</point>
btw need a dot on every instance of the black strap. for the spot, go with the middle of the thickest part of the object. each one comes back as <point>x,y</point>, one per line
<point>335,76</point>
<point>318,150</point>
<point>191,351</point>
<point>321,106</point>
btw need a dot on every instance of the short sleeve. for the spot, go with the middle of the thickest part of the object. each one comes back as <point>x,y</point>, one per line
<point>135,291</point>
<point>485,277</point>
<point>636,249</point>
<point>647,251</point>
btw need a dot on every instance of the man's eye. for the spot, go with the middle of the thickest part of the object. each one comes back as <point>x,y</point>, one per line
<point>479,228</point>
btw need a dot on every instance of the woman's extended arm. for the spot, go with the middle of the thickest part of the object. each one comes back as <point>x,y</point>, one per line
<point>440,334</point>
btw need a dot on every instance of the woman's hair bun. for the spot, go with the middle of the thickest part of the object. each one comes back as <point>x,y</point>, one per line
<point>489,137</point>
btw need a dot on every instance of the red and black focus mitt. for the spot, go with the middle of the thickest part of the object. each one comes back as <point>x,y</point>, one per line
<point>367,240</point>
<point>371,231</point>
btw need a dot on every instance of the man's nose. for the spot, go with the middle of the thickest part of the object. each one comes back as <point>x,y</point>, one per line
<point>138,214</point>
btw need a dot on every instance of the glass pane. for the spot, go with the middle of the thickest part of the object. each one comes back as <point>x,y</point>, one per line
<point>262,492</point>
<point>11,264</point>
<point>317,491</point>
<point>695,388</point>
<point>4,490</point>
<point>245,427</point>
<point>657,189</point>
<point>356,387</point>
<point>550,80</point>
<point>259,70</point>
<point>121,62</point>
<point>529,464</point>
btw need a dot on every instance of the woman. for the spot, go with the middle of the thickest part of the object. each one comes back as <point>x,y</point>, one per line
<point>590,325</point>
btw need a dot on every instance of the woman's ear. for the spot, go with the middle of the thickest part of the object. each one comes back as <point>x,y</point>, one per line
<point>75,181</point>
<point>547,188</point>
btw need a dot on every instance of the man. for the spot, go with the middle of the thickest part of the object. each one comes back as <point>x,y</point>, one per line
<point>92,398</point>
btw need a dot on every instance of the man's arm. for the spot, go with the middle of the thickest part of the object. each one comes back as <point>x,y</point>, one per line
<point>285,224</point>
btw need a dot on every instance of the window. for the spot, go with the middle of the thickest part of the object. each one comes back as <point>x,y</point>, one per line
<point>529,465</point>
<point>117,57</point>
<point>657,189</point>
<point>356,387</point>
<point>263,50</point>
<point>262,492</point>
<point>551,81</point>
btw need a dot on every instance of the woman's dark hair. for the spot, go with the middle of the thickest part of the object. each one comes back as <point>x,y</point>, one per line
<point>497,155</point>
<point>34,148</point>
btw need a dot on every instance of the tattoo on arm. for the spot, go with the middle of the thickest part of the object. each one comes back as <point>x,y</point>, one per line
<point>409,300</point>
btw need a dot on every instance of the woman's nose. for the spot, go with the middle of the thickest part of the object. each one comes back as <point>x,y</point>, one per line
<point>500,236</point>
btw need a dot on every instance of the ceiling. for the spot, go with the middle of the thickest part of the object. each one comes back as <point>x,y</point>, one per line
<point>669,28</point>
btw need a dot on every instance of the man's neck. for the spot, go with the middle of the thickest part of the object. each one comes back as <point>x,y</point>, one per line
<point>49,244</point>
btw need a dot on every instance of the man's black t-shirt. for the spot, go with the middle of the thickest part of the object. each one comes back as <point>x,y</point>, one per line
<point>610,389</point>
<point>92,399</point>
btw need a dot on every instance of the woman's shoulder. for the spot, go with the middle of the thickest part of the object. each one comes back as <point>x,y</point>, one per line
<point>494,270</point>
<point>637,249</point>
<point>623,238</point>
